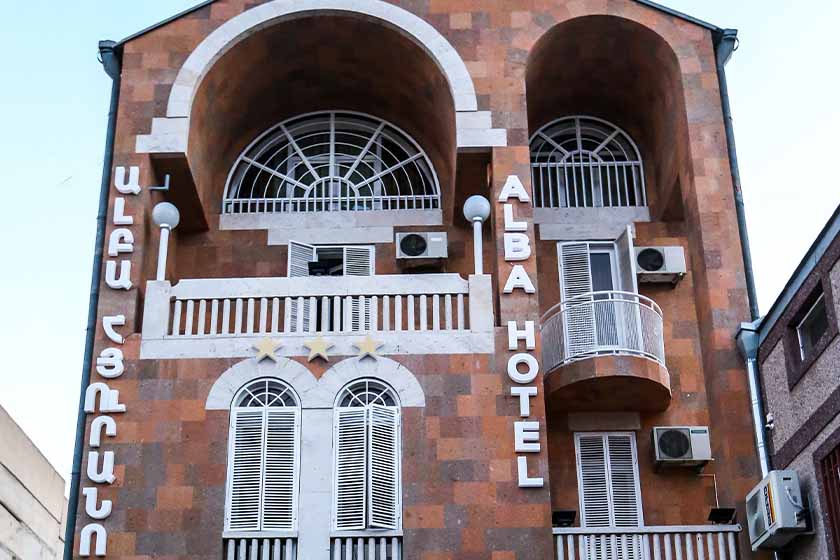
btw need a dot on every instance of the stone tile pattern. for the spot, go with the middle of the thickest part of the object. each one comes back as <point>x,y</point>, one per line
<point>461,499</point>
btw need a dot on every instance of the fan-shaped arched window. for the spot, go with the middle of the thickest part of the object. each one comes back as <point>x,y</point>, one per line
<point>367,455</point>
<point>263,458</point>
<point>585,162</point>
<point>331,161</point>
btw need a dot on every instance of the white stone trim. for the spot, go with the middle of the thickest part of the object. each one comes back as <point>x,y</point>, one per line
<point>316,393</point>
<point>401,343</point>
<point>231,381</point>
<point>343,236</point>
<point>170,134</point>
<point>324,221</point>
<point>586,224</point>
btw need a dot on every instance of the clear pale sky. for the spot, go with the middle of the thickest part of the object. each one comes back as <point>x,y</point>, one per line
<point>784,85</point>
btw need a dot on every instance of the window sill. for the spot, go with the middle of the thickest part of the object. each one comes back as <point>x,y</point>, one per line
<point>366,533</point>
<point>259,534</point>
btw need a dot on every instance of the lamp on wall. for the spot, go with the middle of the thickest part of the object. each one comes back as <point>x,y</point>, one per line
<point>166,216</point>
<point>476,211</point>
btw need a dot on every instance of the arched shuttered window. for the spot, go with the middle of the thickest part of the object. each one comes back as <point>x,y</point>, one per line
<point>367,455</point>
<point>263,458</point>
<point>585,162</point>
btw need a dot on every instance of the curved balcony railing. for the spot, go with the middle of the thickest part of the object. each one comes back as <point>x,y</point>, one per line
<point>602,323</point>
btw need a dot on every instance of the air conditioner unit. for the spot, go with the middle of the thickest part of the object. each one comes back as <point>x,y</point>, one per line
<point>683,446</point>
<point>775,510</point>
<point>425,245</point>
<point>660,264</point>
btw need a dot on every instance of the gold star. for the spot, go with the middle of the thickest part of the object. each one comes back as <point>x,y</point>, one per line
<point>368,347</point>
<point>318,348</point>
<point>266,348</point>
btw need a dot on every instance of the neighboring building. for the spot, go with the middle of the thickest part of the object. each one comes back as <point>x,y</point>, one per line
<point>798,357</point>
<point>33,507</point>
<point>299,379</point>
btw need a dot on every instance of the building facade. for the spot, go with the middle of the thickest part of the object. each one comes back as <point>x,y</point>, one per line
<point>33,508</point>
<point>327,347</point>
<point>797,355</point>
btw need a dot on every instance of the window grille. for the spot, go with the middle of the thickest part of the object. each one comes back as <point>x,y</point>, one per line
<point>367,455</point>
<point>263,458</point>
<point>585,162</point>
<point>331,161</point>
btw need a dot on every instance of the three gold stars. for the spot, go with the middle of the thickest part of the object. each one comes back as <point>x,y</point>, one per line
<point>266,348</point>
<point>318,348</point>
<point>368,347</point>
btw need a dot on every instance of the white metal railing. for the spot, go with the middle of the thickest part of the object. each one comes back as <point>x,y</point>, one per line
<point>689,542</point>
<point>602,323</point>
<point>366,548</point>
<point>260,548</point>
<point>251,307</point>
<point>330,203</point>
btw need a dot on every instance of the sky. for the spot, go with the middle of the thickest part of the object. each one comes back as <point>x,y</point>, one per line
<point>784,86</point>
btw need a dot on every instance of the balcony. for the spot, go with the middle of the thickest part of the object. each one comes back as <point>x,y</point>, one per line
<point>604,351</point>
<point>611,543</point>
<point>411,314</point>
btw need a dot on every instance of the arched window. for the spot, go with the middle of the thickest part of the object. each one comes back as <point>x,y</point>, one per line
<point>263,458</point>
<point>367,490</point>
<point>331,161</point>
<point>585,162</point>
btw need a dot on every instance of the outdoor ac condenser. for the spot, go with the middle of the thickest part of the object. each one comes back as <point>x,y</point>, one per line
<point>775,511</point>
<point>660,264</point>
<point>682,445</point>
<point>422,245</point>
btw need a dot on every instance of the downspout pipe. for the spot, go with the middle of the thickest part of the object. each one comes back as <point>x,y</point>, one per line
<point>726,41</point>
<point>747,340</point>
<point>110,57</point>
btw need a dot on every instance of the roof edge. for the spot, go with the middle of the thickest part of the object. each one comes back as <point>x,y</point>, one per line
<point>681,15</point>
<point>659,7</point>
<point>808,263</point>
<point>161,23</point>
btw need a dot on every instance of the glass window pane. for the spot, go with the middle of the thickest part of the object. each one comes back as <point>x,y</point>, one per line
<point>812,327</point>
<point>601,265</point>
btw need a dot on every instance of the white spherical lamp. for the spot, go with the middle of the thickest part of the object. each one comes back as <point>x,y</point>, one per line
<point>165,214</point>
<point>476,208</point>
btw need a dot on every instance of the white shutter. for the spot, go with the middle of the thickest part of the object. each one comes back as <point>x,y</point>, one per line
<point>349,476</point>
<point>245,470</point>
<point>593,485</point>
<point>358,261</point>
<point>384,467</point>
<point>626,254</point>
<point>608,480</point>
<point>624,480</point>
<point>576,280</point>
<point>300,255</point>
<point>280,485</point>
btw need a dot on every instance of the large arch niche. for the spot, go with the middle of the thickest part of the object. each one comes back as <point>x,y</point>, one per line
<point>621,71</point>
<point>311,63</point>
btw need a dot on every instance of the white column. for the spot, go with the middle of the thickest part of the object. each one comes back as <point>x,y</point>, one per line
<point>162,252</point>
<point>478,248</point>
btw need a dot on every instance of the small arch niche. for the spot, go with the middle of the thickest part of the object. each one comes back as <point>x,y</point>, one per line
<point>622,81</point>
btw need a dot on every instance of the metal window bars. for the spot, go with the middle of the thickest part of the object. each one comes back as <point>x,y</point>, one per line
<point>586,162</point>
<point>331,161</point>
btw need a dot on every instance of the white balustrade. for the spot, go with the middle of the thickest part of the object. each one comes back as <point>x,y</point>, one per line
<point>260,548</point>
<point>252,307</point>
<point>602,323</point>
<point>698,542</point>
<point>366,548</point>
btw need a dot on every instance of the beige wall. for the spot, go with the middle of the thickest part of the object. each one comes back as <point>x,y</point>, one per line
<point>32,502</point>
